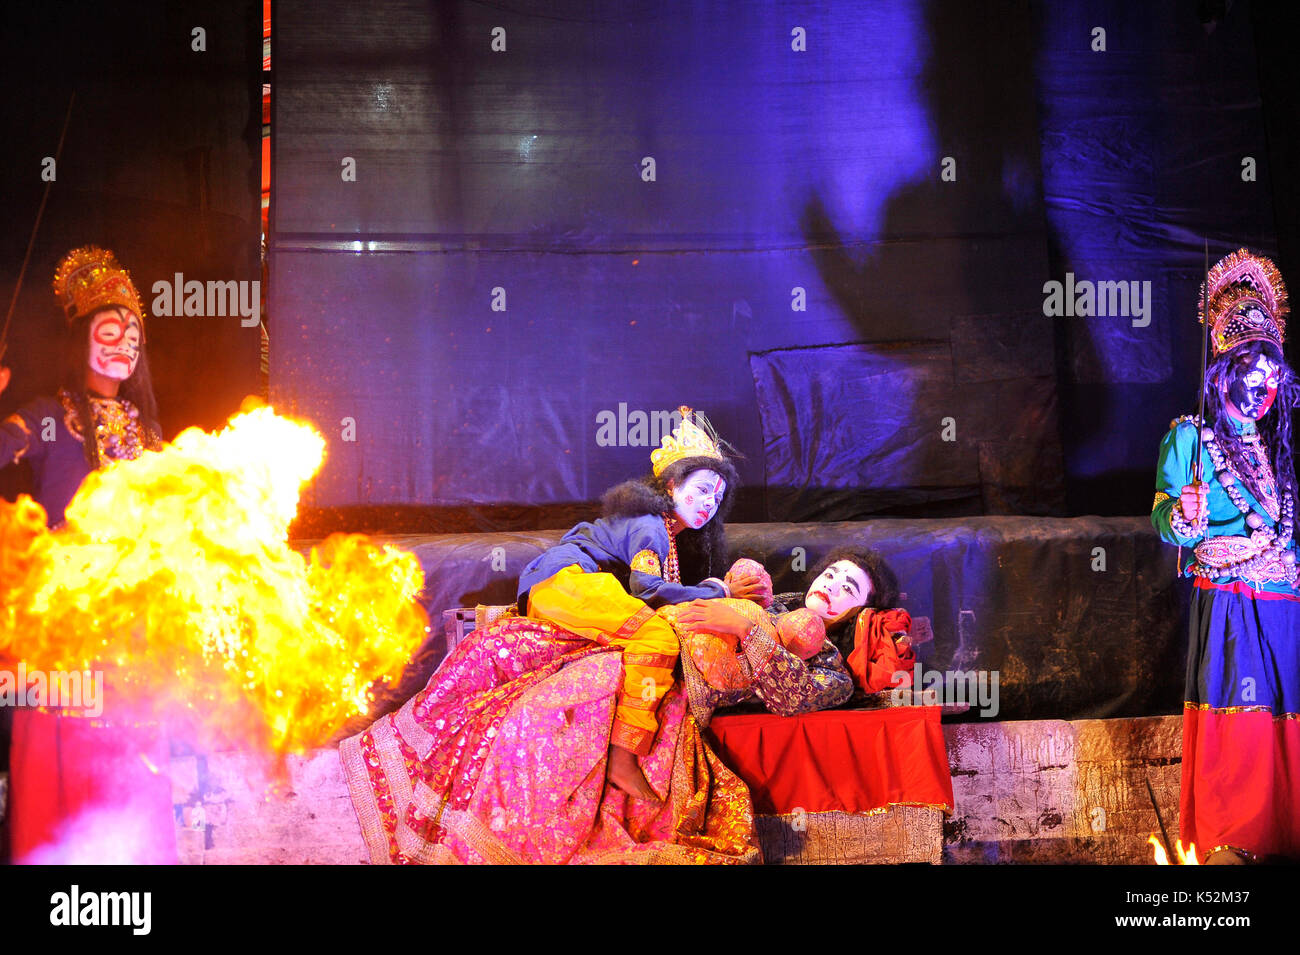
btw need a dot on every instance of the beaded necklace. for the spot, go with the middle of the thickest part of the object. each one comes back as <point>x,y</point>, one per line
<point>1267,553</point>
<point>672,572</point>
<point>119,433</point>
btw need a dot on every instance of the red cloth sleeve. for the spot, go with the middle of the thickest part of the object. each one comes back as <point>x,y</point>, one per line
<point>877,656</point>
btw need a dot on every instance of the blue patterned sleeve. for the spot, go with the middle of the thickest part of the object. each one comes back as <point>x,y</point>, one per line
<point>647,555</point>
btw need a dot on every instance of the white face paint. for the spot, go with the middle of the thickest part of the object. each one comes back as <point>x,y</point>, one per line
<point>843,586</point>
<point>1252,388</point>
<point>115,343</point>
<point>698,497</point>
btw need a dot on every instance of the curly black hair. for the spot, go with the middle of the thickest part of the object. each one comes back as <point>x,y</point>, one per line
<point>700,553</point>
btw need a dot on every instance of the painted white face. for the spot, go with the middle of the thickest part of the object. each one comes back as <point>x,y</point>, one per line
<point>115,343</point>
<point>1252,388</point>
<point>843,586</point>
<point>698,497</point>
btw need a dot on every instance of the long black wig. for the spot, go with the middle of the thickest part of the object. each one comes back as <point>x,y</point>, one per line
<point>1274,427</point>
<point>138,389</point>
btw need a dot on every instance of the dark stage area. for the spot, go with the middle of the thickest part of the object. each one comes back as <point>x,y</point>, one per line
<point>930,272</point>
<point>479,258</point>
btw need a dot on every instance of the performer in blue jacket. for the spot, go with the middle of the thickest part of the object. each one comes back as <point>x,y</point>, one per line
<point>1240,796</point>
<point>605,578</point>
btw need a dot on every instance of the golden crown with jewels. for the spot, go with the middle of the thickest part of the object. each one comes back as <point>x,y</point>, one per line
<point>90,278</point>
<point>1246,299</point>
<point>688,440</point>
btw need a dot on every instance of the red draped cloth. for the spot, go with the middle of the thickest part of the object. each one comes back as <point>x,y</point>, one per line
<point>845,760</point>
<point>882,656</point>
<point>86,793</point>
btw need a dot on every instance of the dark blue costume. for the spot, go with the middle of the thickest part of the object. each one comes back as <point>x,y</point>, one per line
<point>46,433</point>
<point>610,545</point>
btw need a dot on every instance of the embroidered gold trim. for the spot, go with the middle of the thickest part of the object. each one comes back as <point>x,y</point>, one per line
<point>1244,853</point>
<point>639,741</point>
<point>647,562</point>
<point>363,800</point>
<point>633,623</point>
<point>1161,497</point>
<point>479,837</point>
<point>654,661</point>
<point>636,703</point>
<point>944,807</point>
<point>1228,710</point>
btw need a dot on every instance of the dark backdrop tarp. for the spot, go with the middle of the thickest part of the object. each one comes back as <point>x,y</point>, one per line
<point>499,274</point>
<point>797,204</point>
<point>1144,151</point>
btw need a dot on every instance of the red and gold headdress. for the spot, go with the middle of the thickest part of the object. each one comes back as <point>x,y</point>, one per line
<point>1246,301</point>
<point>90,278</point>
<point>688,440</point>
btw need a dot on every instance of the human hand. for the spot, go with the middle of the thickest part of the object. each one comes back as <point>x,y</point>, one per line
<point>747,580</point>
<point>713,616</point>
<point>1194,499</point>
<point>751,587</point>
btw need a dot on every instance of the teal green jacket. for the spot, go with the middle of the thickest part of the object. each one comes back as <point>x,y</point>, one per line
<point>1174,472</point>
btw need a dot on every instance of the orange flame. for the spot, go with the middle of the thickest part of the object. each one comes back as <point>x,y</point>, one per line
<point>1185,857</point>
<point>173,574</point>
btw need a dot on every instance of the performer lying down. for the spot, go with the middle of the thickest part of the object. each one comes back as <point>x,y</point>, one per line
<point>1240,794</point>
<point>792,661</point>
<point>504,755</point>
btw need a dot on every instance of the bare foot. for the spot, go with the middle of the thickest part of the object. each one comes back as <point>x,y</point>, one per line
<point>623,772</point>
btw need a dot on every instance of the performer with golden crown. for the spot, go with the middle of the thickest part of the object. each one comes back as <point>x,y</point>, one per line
<point>1235,517</point>
<point>72,773</point>
<point>105,410</point>
<point>605,579</point>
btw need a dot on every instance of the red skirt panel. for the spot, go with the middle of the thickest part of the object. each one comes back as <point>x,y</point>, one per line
<point>1241,782</point>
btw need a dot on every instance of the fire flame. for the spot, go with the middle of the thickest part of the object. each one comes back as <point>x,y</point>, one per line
<point>1185,857</point>
<point>174,576</point>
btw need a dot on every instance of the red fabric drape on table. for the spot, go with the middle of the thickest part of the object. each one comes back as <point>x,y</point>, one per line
<point>846,760</point>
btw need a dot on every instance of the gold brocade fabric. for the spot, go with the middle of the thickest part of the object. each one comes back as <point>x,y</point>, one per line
<point>717,671</point>
<point>714,655</point>
<point>647,562</point>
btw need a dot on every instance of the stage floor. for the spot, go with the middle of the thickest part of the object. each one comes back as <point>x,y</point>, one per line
<point>1033,791</point>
